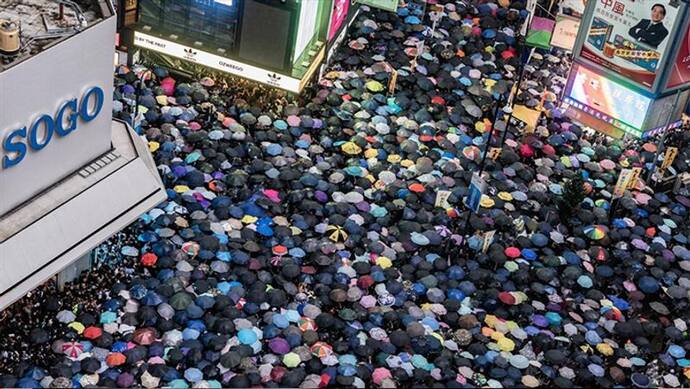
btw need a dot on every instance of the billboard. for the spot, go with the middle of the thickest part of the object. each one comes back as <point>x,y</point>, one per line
<point>338,16</point>
<point>630,37</point>
<point>565,32</point>
<point>609,101</point>
<point>55,119</point>
<point>217,62</point>
<point>680,72</point>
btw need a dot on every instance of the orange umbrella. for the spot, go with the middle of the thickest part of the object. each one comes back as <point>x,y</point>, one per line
<point>115,359</point>
<point>417,188</point>
<point>650,147</point>
<point>92,333</point>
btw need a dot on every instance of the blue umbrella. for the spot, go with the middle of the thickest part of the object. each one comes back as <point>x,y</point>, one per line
<point>152,298</point>
<point>28,382</point>
<point>119,347</point>
<point>108,317</point>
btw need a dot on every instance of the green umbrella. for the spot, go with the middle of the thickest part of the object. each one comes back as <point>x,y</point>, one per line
<point>180,300</point>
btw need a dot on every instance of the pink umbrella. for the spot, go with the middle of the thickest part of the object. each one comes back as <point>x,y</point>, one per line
<point>607,164</point>
<point>73,349</point>
<point>642,198</point>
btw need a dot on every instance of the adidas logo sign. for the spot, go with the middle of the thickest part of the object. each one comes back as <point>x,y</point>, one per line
<point>273,79</point>
<point>190,54</point>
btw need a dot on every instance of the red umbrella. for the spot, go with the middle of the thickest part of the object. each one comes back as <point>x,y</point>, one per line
<point>115,359</point>
<point>144,336</point>
<point>92,333</point>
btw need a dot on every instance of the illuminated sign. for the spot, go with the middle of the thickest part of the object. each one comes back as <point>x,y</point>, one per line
<point>609,101</point>
<point>630,37</point>
<point>217,62</point>
<point>39,133</point>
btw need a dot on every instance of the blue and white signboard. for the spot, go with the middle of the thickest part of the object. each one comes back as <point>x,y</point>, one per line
<point>477,188</point>
<point>55,113</point>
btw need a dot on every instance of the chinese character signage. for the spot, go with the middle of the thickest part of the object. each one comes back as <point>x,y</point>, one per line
<point>630,37</point>
<point>565,32</point>
<point>609,101</point>
<point>680,72</point>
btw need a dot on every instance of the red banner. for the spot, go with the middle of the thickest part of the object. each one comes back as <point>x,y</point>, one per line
<point>680,73</point>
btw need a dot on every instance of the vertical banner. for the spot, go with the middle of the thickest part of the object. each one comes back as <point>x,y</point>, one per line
<point>477,188</point>
<point>622,183</point>
<point>488,239</point>
<point>442,199</point>
<point>635,175</point>
<point>494,153</point>
<point>338,15</point>
<point>669,156</point>
<point>630,37</point>
<point>393,82</point>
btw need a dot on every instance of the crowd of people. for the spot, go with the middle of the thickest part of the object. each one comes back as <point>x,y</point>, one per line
<point>326,243</point>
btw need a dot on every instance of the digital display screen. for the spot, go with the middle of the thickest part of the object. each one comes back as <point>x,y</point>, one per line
<point>609,97</point>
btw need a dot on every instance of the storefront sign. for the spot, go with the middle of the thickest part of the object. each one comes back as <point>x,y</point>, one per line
<point>609,101</point>
<point>217,62</point>
<point>680,72</point>
<point>630,37</point>
<point>565,32</point>
<point>388,5</point>
<point>56,113</point>
<point>338,16</point>
<point>39,133</point>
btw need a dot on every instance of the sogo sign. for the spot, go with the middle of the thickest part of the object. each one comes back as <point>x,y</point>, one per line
<point>39,133</point>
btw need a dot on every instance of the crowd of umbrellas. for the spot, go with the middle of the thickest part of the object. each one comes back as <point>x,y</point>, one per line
<point>328,245</point>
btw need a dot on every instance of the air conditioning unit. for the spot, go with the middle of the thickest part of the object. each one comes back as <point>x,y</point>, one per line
<point>9,37</point>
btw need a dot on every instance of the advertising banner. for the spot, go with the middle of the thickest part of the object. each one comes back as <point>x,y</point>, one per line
<point>680,72</point>
<point>630,37</point>
<point>217,62</point>
<point>565,32</point>
<point>609,101</point>
<point>338,16</point>
<point>540,31</point>
<point>388,5</point>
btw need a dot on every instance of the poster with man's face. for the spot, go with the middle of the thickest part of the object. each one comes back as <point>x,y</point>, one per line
<point>630,37</point>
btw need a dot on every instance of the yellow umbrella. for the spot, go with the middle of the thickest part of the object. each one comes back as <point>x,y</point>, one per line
<point>374,86</point>
<point>336,233</point>
<point>351,148</point>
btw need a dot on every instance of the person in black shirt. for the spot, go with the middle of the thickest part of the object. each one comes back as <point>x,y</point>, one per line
<point>651,32</point>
